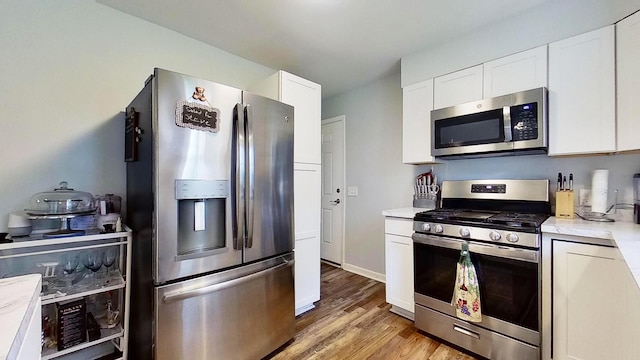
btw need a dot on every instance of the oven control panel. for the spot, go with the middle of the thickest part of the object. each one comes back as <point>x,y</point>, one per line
<point>489,188</point>
<point>528,240</point>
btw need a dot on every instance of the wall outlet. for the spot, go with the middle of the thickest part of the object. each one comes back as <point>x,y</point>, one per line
<point>352,191</point>
<point>585,197</point>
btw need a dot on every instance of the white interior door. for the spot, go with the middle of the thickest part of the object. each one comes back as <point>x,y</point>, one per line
<point>333,191</point>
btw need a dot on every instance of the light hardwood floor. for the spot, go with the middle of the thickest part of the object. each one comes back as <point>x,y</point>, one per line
<point>352,321</point>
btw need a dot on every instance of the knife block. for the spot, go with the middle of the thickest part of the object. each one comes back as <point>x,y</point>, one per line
<point>564,204</point>
<point>426,203</point>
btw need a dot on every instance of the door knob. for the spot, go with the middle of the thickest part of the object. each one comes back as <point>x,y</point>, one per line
<point>336,202</point>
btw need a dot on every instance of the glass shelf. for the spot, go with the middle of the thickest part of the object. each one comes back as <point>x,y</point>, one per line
<point>105,335</point>
<point>80,284</point>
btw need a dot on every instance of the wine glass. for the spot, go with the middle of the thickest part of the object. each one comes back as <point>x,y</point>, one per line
<point>109,257</point>
<point>69,263</point>
<point>92,260</point>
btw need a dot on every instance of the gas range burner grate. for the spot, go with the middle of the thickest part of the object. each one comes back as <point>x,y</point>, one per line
<point>518,219</point>
<point>512,219</point>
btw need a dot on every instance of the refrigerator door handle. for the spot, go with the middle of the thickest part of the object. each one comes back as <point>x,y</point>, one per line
<point>239,176</point>
<point>179,295</point>
<point>251,175</point>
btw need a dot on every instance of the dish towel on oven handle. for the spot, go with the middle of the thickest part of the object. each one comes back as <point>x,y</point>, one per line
<point>466,293</point>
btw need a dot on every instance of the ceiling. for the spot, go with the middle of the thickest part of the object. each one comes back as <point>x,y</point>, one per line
<point>340,44</point>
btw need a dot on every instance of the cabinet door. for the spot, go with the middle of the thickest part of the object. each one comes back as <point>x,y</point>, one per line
<point>399,271</point>
<point>518,72</point>
<point>631,329</point>
<point>628,81</point>
<point>31,343</point>
<point>582,94</point>
<point>307,234</point>
<point>458,88</point>
<point>588,294</point>
<point>306,98</point>
<point>417,103</point>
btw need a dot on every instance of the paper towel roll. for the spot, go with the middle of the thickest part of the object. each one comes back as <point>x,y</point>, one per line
<point>599,190</point>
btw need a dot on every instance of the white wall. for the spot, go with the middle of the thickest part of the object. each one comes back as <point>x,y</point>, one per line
<point>374,112</point>
<point>68,70</point>
<point>373,130</point>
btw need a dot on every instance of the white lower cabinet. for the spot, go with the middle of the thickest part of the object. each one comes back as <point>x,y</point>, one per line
<point>595,303</point>
<point>30,348</point>
<point>398,247</point>
<point>307,235</point>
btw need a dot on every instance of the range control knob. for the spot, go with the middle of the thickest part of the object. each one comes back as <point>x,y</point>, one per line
<point>511,237</point>
<point>426,227</point>
<point>495,236</point>
<point>464,232</point>
<point>439,229</point>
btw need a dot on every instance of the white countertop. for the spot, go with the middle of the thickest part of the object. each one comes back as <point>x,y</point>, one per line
<point>18,300</point>
<point>625,235</point>
<point>407,213</point>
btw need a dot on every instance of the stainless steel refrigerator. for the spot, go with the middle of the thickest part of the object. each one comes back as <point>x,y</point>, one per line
<point>210,202</point>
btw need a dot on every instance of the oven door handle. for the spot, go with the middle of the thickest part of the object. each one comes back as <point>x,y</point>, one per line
<point>478,248</point>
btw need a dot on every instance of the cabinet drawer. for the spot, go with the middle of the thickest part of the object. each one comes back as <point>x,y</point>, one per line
<point>396,226</point>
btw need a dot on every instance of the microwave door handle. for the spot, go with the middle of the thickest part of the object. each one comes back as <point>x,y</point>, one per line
<point>251,174</point>
<point>506,116</point>
<point>239,176</point>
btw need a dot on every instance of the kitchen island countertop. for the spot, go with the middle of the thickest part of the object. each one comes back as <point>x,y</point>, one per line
<point>625,235</point>
<point>18,300</point>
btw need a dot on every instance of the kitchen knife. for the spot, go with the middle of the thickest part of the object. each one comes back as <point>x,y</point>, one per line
<point>559,186</point>
<point>564,183</point>
<point>570,182</point>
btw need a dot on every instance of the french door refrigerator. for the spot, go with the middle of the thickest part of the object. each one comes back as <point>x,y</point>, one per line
<point>210,202</point>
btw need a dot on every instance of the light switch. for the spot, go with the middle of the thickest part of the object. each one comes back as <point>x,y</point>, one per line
<point>352,191</point>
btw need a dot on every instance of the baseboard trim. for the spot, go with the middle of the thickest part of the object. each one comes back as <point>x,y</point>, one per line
<point>304,309</point>
<point>330,263</point>
<point>364,272</point>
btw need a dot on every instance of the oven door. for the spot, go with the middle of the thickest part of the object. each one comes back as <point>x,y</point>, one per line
<point>508,278</point>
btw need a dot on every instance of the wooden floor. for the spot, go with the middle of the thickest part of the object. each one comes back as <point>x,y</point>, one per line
<point>352,321</point>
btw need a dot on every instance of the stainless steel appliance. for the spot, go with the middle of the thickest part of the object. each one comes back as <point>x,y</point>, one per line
<point>210,202</point>
<point>504,125</point>
<point>500,221</point>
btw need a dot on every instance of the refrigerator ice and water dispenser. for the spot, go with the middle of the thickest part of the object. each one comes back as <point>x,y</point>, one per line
<point>201,216</point>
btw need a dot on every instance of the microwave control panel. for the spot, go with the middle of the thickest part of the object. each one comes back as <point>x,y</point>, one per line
<point>524,122</point>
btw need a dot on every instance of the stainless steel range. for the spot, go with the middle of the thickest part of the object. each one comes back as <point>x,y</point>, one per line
<point>500,221</point>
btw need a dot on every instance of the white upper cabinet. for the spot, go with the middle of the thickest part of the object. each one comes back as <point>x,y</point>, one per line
<point>628,76</point>
<point>458,87</point>
<point>306,98</point>
<point>417,103</point>
<point>518,72</point>
<point>582,94</point>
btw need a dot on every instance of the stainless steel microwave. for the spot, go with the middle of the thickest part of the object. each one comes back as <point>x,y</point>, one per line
<point>504,125</point>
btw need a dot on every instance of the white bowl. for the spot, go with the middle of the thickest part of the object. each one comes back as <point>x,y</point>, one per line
<point>19,231</point>
<point>17,220</point>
